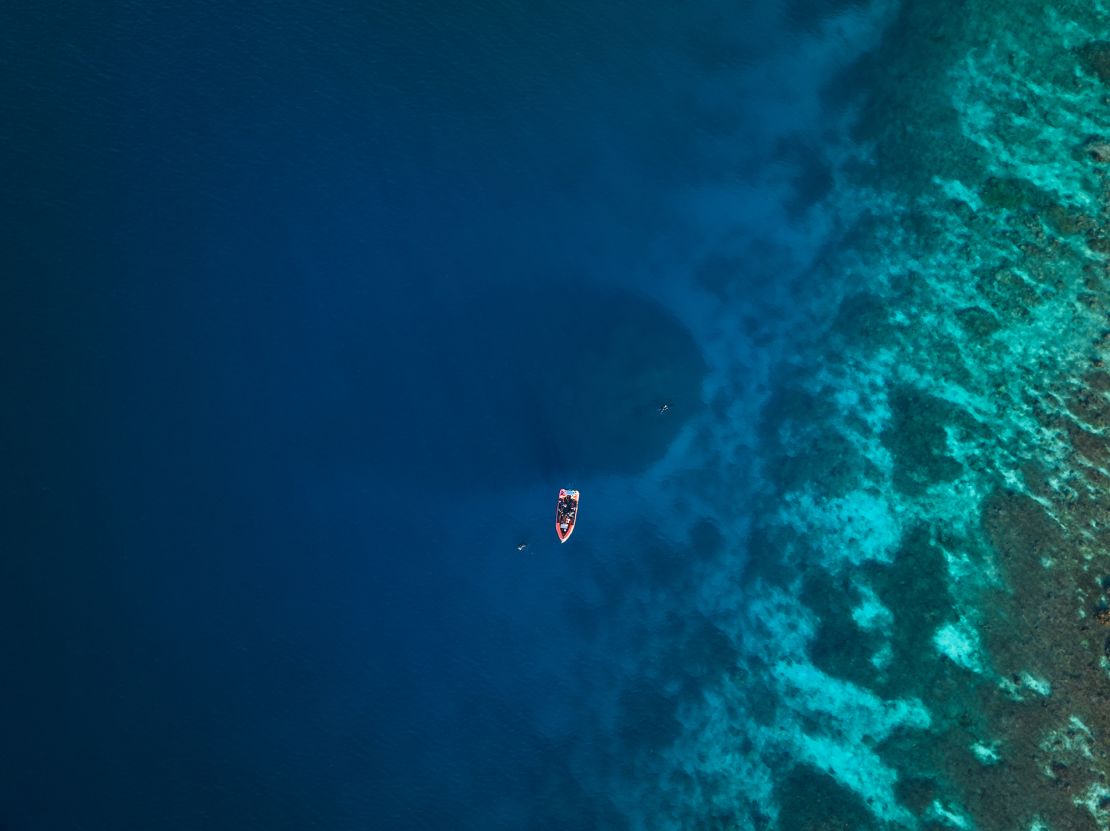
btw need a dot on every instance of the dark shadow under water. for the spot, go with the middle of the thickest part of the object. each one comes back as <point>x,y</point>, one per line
<point>530,379</point>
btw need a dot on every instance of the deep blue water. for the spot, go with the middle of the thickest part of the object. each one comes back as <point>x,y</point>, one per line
<point>309,310</point>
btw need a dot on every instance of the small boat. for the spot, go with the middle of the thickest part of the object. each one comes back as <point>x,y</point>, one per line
<point>566,512</point>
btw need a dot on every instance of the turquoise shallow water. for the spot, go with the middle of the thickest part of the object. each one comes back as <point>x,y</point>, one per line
<point>911,635</point>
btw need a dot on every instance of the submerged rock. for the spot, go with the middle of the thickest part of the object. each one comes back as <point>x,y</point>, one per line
<point>918,441</point>
<point>1094,57</point>
<point>1097,149</point>
<point>1099,242</point>
<point>977,321</point>
<point>812,799</point>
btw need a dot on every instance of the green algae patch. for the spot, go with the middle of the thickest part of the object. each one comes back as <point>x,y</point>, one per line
<point>948,360</point>
<point>1099,242</point>
<point>1011,194</point>
<point>1097,381</point>
<point>1039,601</point>
<point>1020,195</point>
<point>1094,57</point>
<point>791,401</point>
<point>840,647</point>
<point>916,792</point>
<point>1095,149</point>
<point>1020,530</point>
<point>1008,292</point>
<point>812,800</point>
<point>824,458</point>
<point>815,451</point>
<point>914,587</point>
<point>766,564</point>
<point>977,322</point>
<point>917,440</point>
<point>864,315</point>
<point>1092,408</point>
<point>1090,445</point>
<point>1063,221</point>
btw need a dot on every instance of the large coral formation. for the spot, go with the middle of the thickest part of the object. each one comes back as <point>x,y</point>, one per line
<point>915,638</point>
<point>969,412</point>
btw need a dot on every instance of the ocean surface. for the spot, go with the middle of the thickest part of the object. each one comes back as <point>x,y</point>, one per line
<point>307,311</point>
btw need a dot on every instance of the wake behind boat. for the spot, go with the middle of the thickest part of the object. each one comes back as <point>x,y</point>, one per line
<point>566,512</point>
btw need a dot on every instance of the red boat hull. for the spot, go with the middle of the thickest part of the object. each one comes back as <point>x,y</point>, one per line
<point>566,514</point>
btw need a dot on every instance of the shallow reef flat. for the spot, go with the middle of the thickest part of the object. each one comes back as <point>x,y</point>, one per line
<point>920,634</point>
